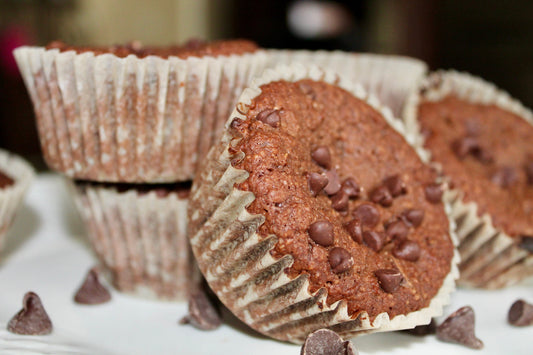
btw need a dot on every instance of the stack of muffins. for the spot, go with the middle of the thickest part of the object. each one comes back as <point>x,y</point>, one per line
<point>128,125</point>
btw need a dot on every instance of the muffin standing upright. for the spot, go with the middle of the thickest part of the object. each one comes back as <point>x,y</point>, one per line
<point>117,120</point>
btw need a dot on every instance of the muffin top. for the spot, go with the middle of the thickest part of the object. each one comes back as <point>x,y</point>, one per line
<point>487,152</point>
<point>347,197</point>
<point>5,180</point>
<point>192,48</point>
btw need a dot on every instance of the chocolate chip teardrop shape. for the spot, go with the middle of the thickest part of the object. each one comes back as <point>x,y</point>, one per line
<point>374,240</point>
<point>92,291</point>
<point>434,193</point>
<point>382,196</point>
<point>340,260</point>
<point>339,201</point>
<point>397,230</point>
<point>389,279</point>
<point>334,184</point>
<point>407,250</point>
<point>354,229</point>
<point>459,328</point>
<point>520,314</point>
<point>413,217</point>
<point>351,188</point>
<point>32,319</point>
<point>270,117</point>
<point>322,157</point>
<point>317,182</point>
<point>395,185</point>
<point>321,232</point>
<point>368,214</point>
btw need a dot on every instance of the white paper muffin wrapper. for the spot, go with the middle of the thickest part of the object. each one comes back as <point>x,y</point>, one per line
<point>111,119</point>
<point>140,240</point>
<point>489,257</point>
<point>236,261</point>
<point>390,78</point>
<point>11,197</point>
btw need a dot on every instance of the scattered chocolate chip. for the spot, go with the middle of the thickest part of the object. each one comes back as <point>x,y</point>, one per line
<point>407,250</point>
<point>326,342</point>
<point>382,196</point>
<point>413,217</point>
<point>521,314</point>
<point>527,243</point>
<point>395,185</point>
<point>351,188</point>
<point>322,157</point>
<point>459,328</point>
<point>334,184</point>
<point>339,201</point>
<point>422,330</point>
<point>529,172</point>
<point>236,123</point>
<point>389,279</point>
<point>464,146</point>
<point>317,182</point>
<point>92,291</point>
<point>307,90</point>
<point>434,193</point>
<point>482,155</point>
<point>270,117</point>
<point>397,230</point>
<point>354,229</point>
<point>504,177</point>
<point>203,314</point>
<point>374,240</point>
<point>32,319</point>
<point>340,260</point>
<point>368,214</point>
<point>321,232</point>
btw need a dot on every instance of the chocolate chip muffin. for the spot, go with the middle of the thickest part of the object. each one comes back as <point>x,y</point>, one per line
<point>481,140</point>
<point>134,113</point>
<point>138,233</point>
<point>315,212</point>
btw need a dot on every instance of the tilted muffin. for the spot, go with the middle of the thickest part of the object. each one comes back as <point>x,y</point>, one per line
<point>133,113</point>
<point>16,176</point>
<point>313,211</point>
<point>481,139</point>
<point>138,233</point>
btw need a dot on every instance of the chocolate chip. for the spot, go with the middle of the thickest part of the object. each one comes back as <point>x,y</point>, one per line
<point>321,232</point>
<point>389,279</point>
<point>382,196</point>
<point>351,188</point>
<point>270,117</point>
<point>407,250</point>
<point>374,240</point>
<point>334,184</point>
<point>527,243</point>
<point>422,330</point>
<point>434,193</point>
<point>326,342</point>
<point>322,157</point>
<point>92,291</point>
<point>459,328</point>
<point>317,182</point>
<point>340,260</point>
<point>354,229</point>
<point>339,201</point>
<point>464,146</point>
<point>368,214</point>
<point>482,155</point>
<point>397,230</point>
<point>521,314</point>
<point>395,185</point>
<point>504,177</point>
<point>529,172</point>
<point>307,90</point>
<point>203,314</point>
<point>413,217</point>
<point>32,319</point>
<point>236,123</point>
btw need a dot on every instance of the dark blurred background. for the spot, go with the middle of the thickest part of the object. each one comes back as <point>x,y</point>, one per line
<point>490,38</point>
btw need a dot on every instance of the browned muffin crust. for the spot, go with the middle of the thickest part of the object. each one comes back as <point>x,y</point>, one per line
<point>182,189</point>
<point>192,48</point>
<point>488,154</point>
<point>290,130</point>
<point>5,180</point>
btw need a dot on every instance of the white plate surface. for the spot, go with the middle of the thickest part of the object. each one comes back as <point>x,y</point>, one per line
<point>47,253</point>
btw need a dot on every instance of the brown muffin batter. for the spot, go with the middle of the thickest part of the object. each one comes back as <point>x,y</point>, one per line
<point>193,48</point>
<point>297,134</point>
<point>488,154</point>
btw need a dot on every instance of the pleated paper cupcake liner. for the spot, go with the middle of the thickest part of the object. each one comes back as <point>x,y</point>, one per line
<point>489,257</point>
<point>111,119</point>
<point>237,263</point>
<point>11,197</point>
<point>390,78</point>
<point>140,239</point>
